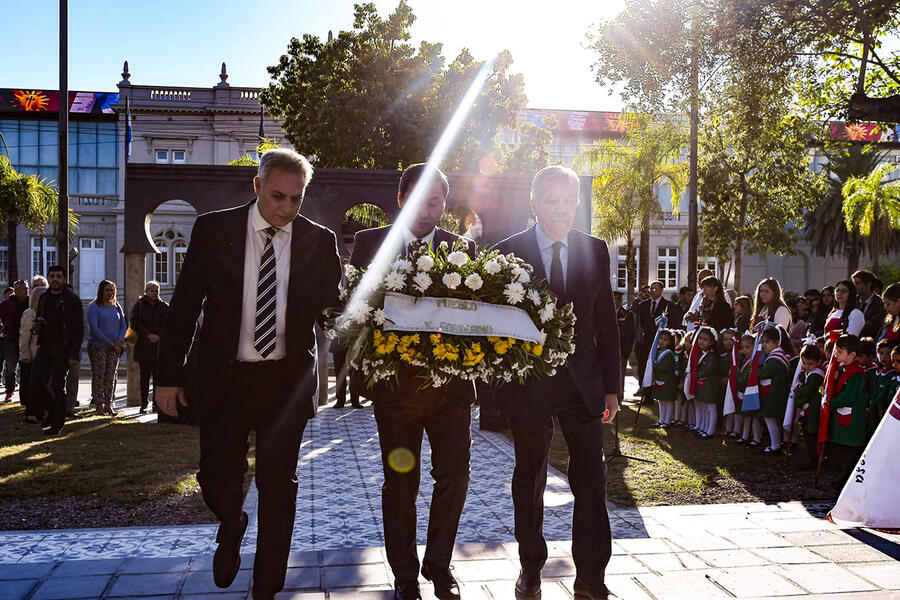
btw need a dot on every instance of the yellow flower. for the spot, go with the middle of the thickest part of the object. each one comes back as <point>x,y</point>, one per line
<point>435,338</point>
<point>527,346</point>
<point>501,347</point>
<point>493,339</point>
<point>511,342</point>
<point>473,356</point>
<point>537,350</point>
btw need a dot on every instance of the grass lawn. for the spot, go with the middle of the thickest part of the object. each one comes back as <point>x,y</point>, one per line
<point>689,470</point>
<point>100,473</point>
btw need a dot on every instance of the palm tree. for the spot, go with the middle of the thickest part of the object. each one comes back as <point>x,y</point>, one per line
<point>872,206</point>
<point>29,200</point>
<point>825,228</point>
<point>626,173</point>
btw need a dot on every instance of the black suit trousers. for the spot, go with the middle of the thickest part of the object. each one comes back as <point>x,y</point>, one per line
<point>402,420</point>
<point>258,399</point>
<point>532,429</point>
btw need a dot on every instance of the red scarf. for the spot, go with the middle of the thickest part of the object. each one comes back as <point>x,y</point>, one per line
<point>732,378</point>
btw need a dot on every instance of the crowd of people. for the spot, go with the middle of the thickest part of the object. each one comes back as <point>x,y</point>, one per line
<point>753,370</point>
<point>43,330</point>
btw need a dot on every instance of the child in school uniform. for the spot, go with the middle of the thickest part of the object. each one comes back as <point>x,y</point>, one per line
<point>808,397</point>
<point>690,416</point>
<point>705,382</point>
<point>680,362</point>
<point>665,380</point>
<point>847,422</point>
<point>774,384</point>
<point>866,359</point>
<point>746,419</point>
<point>880,384</point>
<point>727,338</point>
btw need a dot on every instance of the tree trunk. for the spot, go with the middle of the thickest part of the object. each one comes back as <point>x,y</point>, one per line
<point>853,253</point>
<point>11,253</point>
<point>739,240</point>
<point>644,271</point>
<point>630,269</point>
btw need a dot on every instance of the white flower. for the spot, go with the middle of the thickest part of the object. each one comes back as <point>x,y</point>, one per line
<point>514,293</point>
<point>547,312</point>
<point>444,246</point>
<point>534,296</point>
<point>344,293</point>
<point>379,317</point>
<point>359,311</point>
<point>492,267</point>
<point>474,282</point>
<point>351,272</point>
<point>394,281</point>
<point>425,262</point>
<point>521,274</point>
<point>403,265</point>
<point>422,281</point>
<point>458,258</point>
<point>452,280</point>
<point>542,335</point>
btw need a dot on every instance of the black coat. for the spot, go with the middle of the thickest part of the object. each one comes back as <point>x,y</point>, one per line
<point>594,366</point>
<point>625,319</point>
<point>72,321</point>
<point>213,271</point>
<point>147,317</point>
<point>647,319</point>
<point>720,316</point>
<point>874,315</point>
<point>366,244</point>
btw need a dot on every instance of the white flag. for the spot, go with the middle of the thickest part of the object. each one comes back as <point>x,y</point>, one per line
<point>869,498</point>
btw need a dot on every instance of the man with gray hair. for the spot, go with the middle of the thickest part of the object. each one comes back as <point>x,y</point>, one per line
<point>255,358</point>
<point>582,395</point>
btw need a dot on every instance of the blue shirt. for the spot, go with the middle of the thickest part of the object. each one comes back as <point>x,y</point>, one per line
<point>106,324</point>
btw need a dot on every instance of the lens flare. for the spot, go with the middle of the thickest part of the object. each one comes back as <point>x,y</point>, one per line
<point>401,460</point>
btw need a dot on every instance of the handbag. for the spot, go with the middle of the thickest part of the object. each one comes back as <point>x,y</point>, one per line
<point>131,336</point>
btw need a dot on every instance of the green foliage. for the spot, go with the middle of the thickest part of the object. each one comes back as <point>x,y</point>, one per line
<point>367,215</point>
<point>872,207</point>
<point>370,99</point>
<point>528,155</point>
<point>754,169</point>
<point>627,173</point>
<point>248,161</point>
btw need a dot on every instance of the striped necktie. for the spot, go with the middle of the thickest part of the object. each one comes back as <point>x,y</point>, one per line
<point>264,337</point>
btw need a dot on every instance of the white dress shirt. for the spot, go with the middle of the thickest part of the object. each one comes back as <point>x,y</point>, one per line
<point>409,238</point>
<point>256,240</point>
<point>545,245</point>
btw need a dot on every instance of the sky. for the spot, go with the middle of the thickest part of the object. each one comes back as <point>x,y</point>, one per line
<point>184,42</point>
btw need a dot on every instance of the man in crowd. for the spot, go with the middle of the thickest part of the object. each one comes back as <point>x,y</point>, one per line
<point>582,395</point>
<point>869,302</point>
<point>60,324</point>
<point>647,313</point>
<point>404,413</point>
<point>685,299</point>
<point>11,311</point>
<point>625,318</point>
<point>255,360</point>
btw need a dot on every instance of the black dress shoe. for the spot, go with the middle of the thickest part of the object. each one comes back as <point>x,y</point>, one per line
<point>529,584</point>
<point>407,590</point>
<point>262,596</point>
<point>227,559</point>
<point>584,591</point>
<point>445,585</point>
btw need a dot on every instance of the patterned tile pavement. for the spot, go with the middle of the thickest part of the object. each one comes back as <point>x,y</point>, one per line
<point>750,550</point>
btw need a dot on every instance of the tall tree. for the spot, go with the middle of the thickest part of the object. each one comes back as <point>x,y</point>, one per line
<point>369,99</point>
<point>872,206</point>
<point>825,226</point>
<point>29,200</point>
<point>628,172</point>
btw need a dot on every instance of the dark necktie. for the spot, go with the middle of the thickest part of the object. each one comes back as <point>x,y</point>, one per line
<point>557,280</point>
<point>264,337</point>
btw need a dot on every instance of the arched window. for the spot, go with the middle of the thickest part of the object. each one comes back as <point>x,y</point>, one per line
<point>172,250</point>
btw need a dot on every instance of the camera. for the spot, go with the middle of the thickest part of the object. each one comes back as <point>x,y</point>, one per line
<point>38,324</point>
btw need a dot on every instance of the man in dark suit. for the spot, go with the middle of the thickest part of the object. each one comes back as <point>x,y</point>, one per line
<point>869,302</point>
<point>625,319</point>
<point>262,274</point>
<point>647,312</point>
<point>405,412</point>
<point>582,394</point>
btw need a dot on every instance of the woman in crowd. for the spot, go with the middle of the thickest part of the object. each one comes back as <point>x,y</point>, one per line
<point>715,310</point>
<point>769,306</point>
<point>147,318</point>
<point>27,352</point>
<point>844,314</point>
<point>106,337</point>
<point>891,328</point>
<point>799,316</point>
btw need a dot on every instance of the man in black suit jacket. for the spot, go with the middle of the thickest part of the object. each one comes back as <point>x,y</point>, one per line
<point>262,274</point>
<point>405,412</point>
<point>582,395</point>
<point>869,302</point>
<point>647,312</point>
